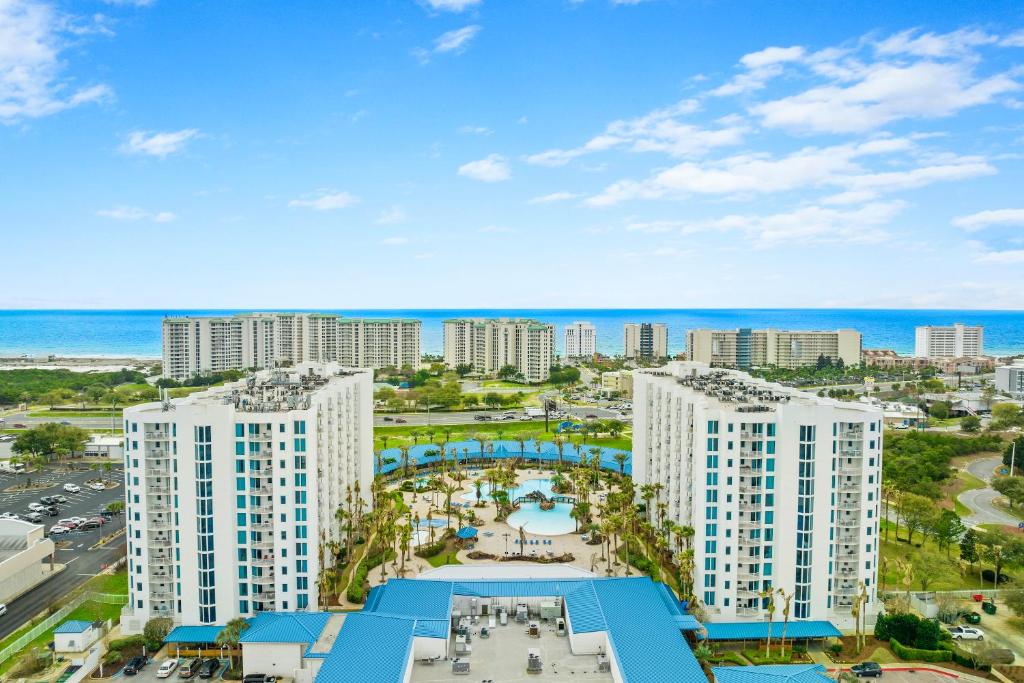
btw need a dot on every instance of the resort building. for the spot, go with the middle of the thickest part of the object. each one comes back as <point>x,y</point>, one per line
<point>196,346</point>
<point>745,348</point>
<point>949,341</point>
<point>580,340</point>
<point>619,383</point>
<point>24,551</point>
<point>646,340</point>
<point>1010,379</point>
<point>231,492</point>
<point>780,486</point>
<point>488,345</point>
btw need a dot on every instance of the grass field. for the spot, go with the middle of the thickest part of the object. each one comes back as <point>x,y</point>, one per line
<point>945,566</point>
<point>64,414</point>
<point>963,481</point>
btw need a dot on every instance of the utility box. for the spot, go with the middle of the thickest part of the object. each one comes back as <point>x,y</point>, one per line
<point>550,610</point>
<point>460,667</point>
<point>533,661</point>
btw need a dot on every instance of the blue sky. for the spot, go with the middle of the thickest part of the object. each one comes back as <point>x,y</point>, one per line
<point>535,153</point>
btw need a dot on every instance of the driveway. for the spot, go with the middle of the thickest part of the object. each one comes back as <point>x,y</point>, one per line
<point>981,501</point>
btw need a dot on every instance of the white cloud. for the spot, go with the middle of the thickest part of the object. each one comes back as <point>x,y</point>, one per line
<point>491,169</point>
<point>456,41</point>
<point>1013,40</point>
<point>760,67</point>
<point>475,130</point>
<point>394,214</point>
<point>135,213</point>
<point>326,201</point>
<point>657,131</point>
<point>451,5</point>
<point>132,3</point>
<point>806,225</point>
<point>158,144</point>
<point>554,197</point>
<point>984,219</point>
<point>1003,257</point>
<point>812,167</point>
<point>884,92</point>
<point>954,44</point>
<point>32,38</point>
<point>394,241</point>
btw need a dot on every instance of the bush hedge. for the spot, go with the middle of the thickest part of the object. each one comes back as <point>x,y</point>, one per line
<point>914,654</point>
<point>357,588</point>
<point>922,634</point>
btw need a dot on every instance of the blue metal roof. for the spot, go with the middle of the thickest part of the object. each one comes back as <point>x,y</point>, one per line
<point>758,630</point>
<point>688,622</point>
<point>193,634</point>
<point>370,648</point>
<point>413,598</point>
<point>285,627</point>
<point>584,609</point>
<point>649,647</point>
<point>73,626</point>
<point>771,673</point>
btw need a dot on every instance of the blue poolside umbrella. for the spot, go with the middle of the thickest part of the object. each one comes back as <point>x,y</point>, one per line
<point>466,533</point>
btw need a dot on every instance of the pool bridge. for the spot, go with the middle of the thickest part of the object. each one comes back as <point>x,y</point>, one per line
<point>539,497</point>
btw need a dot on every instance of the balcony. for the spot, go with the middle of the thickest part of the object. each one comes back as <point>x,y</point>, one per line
<point>158,507</point>
<point>263,562</point>
<point>849,505</point>
<point>158,489</point>
<point>750,523</point>
<point>156,454</point>
<point>851,469</point>
<point>265,490</point>
<point>160,525</point>
<point>262,526</point>
<point>848,522</point>
<point>265,580</point>
<point>263,509</point>
<point>161,594</point>
<point>747,611</point>
<point>266,544</point>
<point>154,435</point>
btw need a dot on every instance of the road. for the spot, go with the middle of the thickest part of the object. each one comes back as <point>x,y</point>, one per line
<point>83,422</point>
<point>980,501</point>
<point>82,563</point>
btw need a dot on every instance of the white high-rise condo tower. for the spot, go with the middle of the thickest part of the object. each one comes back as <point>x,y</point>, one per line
<point>231,493</point>
<point>196,346</point>
<point>745,348</point>
<point>780,486</point>
<point>491,344</point>
<point>580,340</point>
<point>951,341</point>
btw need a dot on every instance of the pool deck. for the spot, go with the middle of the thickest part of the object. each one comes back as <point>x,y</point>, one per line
<point>498,538</point>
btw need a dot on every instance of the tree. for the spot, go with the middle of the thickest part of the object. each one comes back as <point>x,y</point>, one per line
<point>970,423</point>
<point>508,372</point>
<point>948,529</point>
<point>1011,487</point>
<point>1005,415</point>
<point>939,410</point>
<point>463,369</point>
<point>969,546</point>
<point>230,635</point>
<point>928,569</point>
<point>154,632</point>
<point>492,399</point>
<point>1015,601</point>
<point>917,512</point>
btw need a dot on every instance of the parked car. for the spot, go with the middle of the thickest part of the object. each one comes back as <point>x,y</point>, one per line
<point>69,523</point>
<point>3,609</point>
<point>866,669</point>
<point>59,499</point>
<point>98,520</point>
<point>134,666</point>
<point>167,668</point>
<point>388,418</point>
<point>209,668</point>
<point>19,425</point>
<point>58,529</point>
<point>34,517</point>
<point>36,507</point>
<point>399,420</point>
<point>98,486</point>
<point>89,524</point>
<point>48,500</point>
<point>8,515</point>
<point>72,488</point>
<point>966,633</point>
<point>259,678</point>
<point>51,511</point>
<point>190,668</point>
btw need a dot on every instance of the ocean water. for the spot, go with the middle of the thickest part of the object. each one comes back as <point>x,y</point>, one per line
<point>136,333</point>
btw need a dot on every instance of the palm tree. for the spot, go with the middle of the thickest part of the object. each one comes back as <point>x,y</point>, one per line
<point>405,535</point>
<point>230,635</point>
<point>787,598</point>
<point>415,434</point>
<point>449,489</point>
<point>768,596</point>
<point>405,460</point>
<point>521,439</point>
<point>560,446</point>
<point>621,458</point>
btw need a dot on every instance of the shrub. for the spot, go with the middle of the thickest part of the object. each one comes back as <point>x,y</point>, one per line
<point>835,648</point>
<point>914,654</point>
<point>126,643</point>
<point>356,589</point>
<point>908,628</point>
<point>989,576</point>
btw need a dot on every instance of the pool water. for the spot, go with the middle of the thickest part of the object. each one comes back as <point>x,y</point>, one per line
<point>436,523</point>
<point>554,522</point>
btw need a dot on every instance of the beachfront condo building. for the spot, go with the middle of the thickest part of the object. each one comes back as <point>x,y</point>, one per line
<point>746,348</point>
<point>780,486</point>
<point>645,340</point>
<point>196,346</point>
<point>488,345</point>
<point>580,340</point>
<point>949,341</point>
<point>231,493</point>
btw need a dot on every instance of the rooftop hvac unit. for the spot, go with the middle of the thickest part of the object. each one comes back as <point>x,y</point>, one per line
<point>603,664</point>
<point>521,613</point>
<point>533,662</point>
<point>460,667</point>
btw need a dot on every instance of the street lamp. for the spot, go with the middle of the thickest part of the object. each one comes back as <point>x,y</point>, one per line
<point>506,535</point>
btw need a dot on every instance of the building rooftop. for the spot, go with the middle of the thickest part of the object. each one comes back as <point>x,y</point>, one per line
<point>73,626</point>
<point>285,627</point>
<point>771,673</point>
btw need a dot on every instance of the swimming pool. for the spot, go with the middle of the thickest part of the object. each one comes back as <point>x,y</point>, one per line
<point>554,522</point>
<point>436,523</point>
<point>542,485</point>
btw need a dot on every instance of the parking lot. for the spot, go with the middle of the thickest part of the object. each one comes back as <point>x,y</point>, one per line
<point>148,673</point>
<point>85,503</point>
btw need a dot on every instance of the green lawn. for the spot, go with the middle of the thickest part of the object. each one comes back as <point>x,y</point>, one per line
<point>63,414</point>
<point>109,583</point>
<point>87,611</point>
<point>945,565</point>
<point>965,481</point>
<point>442,559</point>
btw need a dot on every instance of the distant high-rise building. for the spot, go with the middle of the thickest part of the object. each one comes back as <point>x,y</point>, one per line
<point>488,345</point>
<point>231,492</point>
<point>781,487</point>
<point>196,346</point>
<point>580,340</point>
<point>745,348</point>
<point>949,341</point>
<point>646,340</point>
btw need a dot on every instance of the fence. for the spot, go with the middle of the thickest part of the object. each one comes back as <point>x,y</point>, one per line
<point>55,618</point>
<point>961,595</point>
